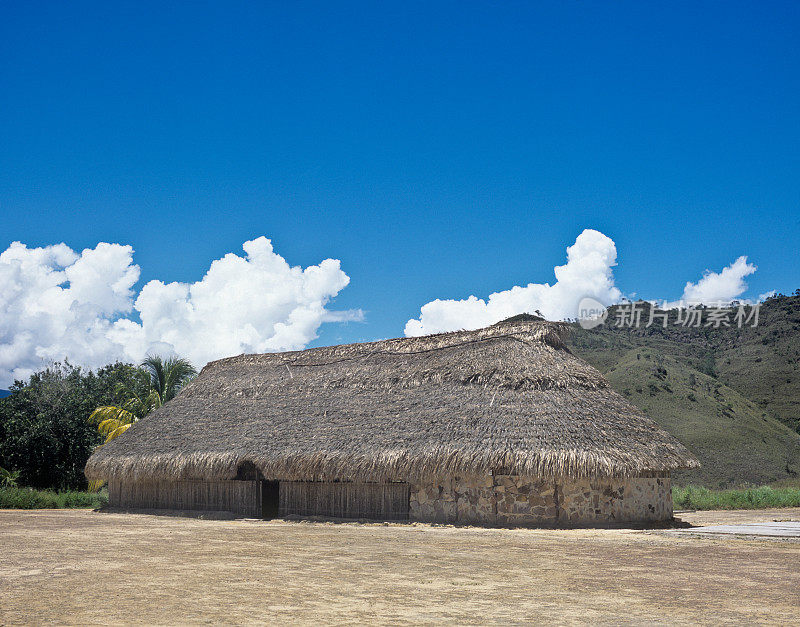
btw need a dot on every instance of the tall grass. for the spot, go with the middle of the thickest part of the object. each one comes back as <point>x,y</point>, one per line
<point>695,497</point>
<point>28,498</point>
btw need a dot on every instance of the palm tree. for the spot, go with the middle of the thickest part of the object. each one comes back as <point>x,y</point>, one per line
<point>167,377</point>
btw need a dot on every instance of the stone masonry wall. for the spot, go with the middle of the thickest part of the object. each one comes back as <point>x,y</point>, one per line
<point>514,500</point>
<point>643,499</point>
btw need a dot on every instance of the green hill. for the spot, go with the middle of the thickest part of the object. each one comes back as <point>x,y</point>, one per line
<point>731,395</point>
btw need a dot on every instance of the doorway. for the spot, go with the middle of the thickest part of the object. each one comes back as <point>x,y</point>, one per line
<point>270,499</point>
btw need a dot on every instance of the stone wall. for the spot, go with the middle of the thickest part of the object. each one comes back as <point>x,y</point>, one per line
<point>514,500</point>
<point>521,500</point>
<point>643,499</point>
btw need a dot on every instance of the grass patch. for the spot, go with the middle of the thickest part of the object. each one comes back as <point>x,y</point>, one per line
<point>695,497</point>
<point>28,498</point>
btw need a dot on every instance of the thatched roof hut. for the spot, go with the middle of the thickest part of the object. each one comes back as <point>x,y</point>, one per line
<point>510,398</point>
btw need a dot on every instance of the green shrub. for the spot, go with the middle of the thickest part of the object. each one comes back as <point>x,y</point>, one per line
<point>8,478</point>
<point>695,497</point>
<point>28,498</point>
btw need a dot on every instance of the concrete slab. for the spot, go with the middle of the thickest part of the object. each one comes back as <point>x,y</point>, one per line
<point>771,529</point>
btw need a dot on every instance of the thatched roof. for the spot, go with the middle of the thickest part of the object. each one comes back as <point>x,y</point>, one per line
<point>509,398</point>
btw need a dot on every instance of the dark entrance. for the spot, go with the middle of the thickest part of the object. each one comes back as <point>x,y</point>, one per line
<point>270,499</point>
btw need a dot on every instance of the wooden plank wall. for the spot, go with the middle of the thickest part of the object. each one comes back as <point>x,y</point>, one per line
<point>377,501</point>
<point>238,497</point>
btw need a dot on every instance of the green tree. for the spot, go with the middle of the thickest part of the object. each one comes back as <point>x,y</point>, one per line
<point>43,429</point>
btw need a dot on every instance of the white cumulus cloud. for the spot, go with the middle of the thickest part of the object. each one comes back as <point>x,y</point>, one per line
<point>56,303</point>
<point>719,287</point>
<point>587,273</point>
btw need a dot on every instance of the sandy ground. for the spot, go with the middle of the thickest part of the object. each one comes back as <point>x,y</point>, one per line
<point>88,567</point>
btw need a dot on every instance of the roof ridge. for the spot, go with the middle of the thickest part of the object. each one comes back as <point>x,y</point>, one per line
<point>417,352</point>
<point>550,333</point>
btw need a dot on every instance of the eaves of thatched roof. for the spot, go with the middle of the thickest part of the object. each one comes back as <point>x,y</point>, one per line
<point>509,398</point>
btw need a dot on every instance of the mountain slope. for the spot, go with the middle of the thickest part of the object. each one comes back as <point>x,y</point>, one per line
<point>731,395</point>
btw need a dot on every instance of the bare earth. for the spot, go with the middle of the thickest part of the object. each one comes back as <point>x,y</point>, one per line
<point>87,567</point>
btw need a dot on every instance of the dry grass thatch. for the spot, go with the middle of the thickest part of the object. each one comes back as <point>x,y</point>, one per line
<point>509,398</point>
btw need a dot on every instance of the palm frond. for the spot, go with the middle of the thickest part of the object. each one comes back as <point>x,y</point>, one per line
<point>113,421</point>
<point>96,486</point>
<point>168,376</point>
<point>109,425</point>
<point>112,428</point>
<point>117,432</point>
<point>153,401</point>
<point>154,366</point>
<point>112,412</point>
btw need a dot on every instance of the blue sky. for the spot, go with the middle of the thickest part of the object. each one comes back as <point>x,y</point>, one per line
<point>436,151</point>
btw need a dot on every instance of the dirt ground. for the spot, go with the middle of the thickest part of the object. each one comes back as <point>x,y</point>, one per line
<point>88,567</point>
